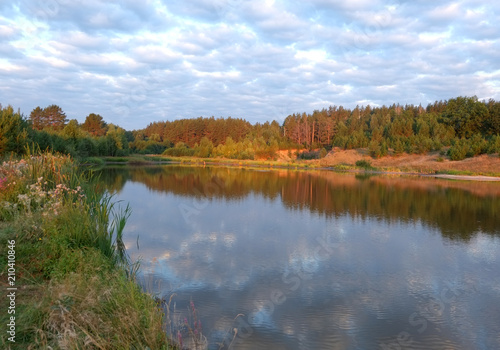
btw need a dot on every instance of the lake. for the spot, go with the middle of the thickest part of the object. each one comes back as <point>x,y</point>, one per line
<point>316,260</point>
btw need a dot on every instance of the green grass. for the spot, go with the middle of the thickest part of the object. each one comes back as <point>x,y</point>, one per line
<point>246,162</point>
<point>116,159</point>
<point>456,172</point>
<point>95,161</point>
<point>157,158</point>
<point>132,159</point>
<point>343,167</point>
<point>75,286</point>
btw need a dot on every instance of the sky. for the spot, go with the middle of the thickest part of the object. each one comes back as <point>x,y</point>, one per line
<point>136,62</point>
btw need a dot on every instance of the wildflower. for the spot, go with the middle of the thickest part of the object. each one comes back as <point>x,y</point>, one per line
<point>23,197</point>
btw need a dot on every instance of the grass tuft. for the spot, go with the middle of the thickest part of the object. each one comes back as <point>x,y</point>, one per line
<point>76,287</point>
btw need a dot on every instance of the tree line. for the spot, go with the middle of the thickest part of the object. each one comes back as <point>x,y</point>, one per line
<point>460,127</point>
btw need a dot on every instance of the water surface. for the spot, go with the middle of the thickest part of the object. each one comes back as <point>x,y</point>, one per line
<point>318,260</point>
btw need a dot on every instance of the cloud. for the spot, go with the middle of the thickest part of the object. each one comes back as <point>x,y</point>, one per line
<point>135,63</point>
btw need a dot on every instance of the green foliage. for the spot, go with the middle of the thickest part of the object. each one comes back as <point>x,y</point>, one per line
<point>77,290</point>
<point>323,152</point>
<point>72,130</point>
<point>377,149</point>
<point>494,144</point>
<point>205,148</point>
<point>466,115</point>
<point>154,148</point>
<point>477,145</point>
<point>117,136</point>
<point>398,146</point>
<point>458,150</point>
<point>308,155</point>
<point>492,125</point>
<point>408,128</point>
<point>86,147</point>
<point>363,163</point>
<point>180,150</point>
<point>13,131</point>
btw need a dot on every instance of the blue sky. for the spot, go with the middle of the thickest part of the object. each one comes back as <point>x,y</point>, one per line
<point>135,62</point>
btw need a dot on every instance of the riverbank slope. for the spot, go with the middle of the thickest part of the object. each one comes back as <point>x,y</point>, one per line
<point>63,264</point>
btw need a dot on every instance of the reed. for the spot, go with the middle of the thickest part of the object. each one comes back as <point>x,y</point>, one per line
<point>76,285</point>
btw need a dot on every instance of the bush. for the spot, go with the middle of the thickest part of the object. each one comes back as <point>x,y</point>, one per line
<point>363,163</point>
<point>322,153</point>
<point>378,150</point>
<point>180,150</point>
<point>494,144</point>
<point>309,155</point>
<point>458,150</point>
<point>477,145</point>
<point>86,147</point>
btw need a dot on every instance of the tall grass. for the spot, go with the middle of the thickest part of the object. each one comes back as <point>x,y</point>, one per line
<point>75,289</point>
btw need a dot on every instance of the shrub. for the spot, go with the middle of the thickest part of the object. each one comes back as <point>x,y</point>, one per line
<point>309,155</point>
<point>494,144</point>
<point>363,163</point>
<point>180,150</point>
<point>322,153</point>
<point>458,150</point>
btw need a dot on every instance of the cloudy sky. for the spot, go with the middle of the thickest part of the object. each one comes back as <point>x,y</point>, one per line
<point>135,62</point>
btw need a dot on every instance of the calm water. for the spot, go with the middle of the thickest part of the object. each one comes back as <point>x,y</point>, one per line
<point>318,260</point>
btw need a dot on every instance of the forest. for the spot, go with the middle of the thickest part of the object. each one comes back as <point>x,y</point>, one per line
<point>459,127</point>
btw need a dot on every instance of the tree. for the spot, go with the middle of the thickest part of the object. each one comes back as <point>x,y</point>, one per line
<point>493,123</point>
<point>51,117</point>
<point>466,114</point>
<point>117,135</point>
<point>94,125</point>
<point>13,131</point>
<point>72,130</point>
<point>36,117</point>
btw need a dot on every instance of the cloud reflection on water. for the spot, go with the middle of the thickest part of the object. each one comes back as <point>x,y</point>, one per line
<point>306,275</point>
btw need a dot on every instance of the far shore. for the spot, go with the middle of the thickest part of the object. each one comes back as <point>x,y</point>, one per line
<point>481,168</point>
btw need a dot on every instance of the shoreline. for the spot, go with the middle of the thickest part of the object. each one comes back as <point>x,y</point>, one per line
<point>64,240</point>
<point>303,165</point>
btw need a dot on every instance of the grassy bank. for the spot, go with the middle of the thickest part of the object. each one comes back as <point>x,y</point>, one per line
<point>75,287</point>
<point>359,161</point>
<point>129,160</point>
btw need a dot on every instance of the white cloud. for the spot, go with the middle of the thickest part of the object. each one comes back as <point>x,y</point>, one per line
<point>135,63</point>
